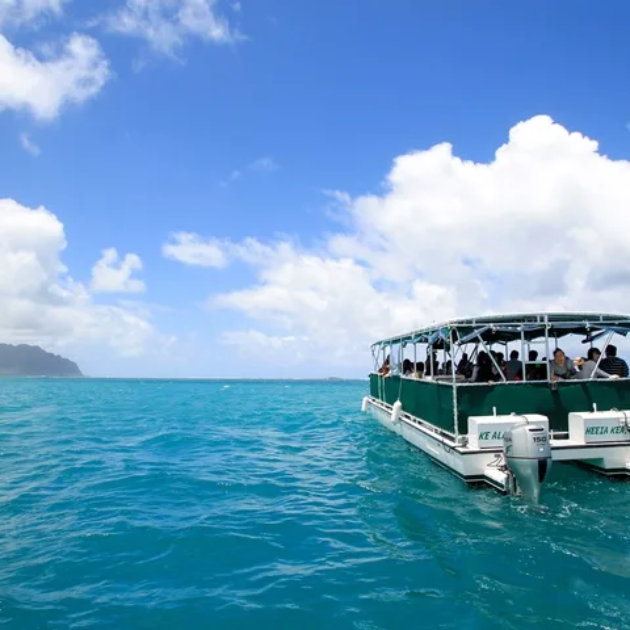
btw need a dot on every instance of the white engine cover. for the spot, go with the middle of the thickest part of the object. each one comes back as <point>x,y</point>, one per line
<point>599,426</point>
<point>488,431</point>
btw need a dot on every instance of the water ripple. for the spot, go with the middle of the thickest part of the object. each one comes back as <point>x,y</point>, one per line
<point>154,504</point>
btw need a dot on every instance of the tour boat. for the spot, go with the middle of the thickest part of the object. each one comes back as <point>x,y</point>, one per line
<point>506,432</point>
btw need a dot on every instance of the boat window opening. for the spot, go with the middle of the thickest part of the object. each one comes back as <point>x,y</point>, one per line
<point>500,338</point>
<point>492,358</point>
<point>603,352</point>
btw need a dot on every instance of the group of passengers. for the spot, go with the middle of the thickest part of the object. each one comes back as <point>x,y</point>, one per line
<point>487,367</point>
<point>611,366</point>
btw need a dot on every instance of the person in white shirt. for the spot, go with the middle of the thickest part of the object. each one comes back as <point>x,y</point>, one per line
<point>587,367</point>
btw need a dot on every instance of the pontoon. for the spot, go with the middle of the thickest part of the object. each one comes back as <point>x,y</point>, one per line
<point>500,432</point>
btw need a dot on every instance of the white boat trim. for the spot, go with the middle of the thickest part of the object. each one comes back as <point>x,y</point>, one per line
<point>487,466</point>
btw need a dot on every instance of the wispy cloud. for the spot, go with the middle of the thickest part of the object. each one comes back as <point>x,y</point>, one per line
<point>21,12</point>
<point>234,175</point>
<point>167,26</point>
<point>264,164</point>
<point>28,145</point>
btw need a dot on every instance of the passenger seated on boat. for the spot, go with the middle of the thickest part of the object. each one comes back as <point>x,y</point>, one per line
<point>483,370</point>
<point>561,366</point>
<point>419,369</point>
<point>612,364</point>
<point>385,368</point>
<point>447,370</point>
<point>464,367</point>
<point>407,368</point>
<point>514,367</point>
<point>537,371</point>
<point>499,360</point>
<point>431,371</point>
<point>587,366</point>
<point>530,371</point>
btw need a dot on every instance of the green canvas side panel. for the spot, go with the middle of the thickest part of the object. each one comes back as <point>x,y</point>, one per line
<point>430,402</point>
<point>556,402</point>
<point>423,399</point>
<point>374,386</point>
<point>434,403</point>
<point>385,389</point>
<point>391,385</point>
<point>521,398</point>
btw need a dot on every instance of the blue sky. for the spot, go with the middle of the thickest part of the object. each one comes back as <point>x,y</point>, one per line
<point>244,136</point>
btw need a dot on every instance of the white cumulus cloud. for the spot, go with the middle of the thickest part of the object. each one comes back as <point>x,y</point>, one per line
<point>326,308</point>
<point>166,25</point>
<point>111,274</point>
<point>68,74</point>
<point>541,226</point>
<point>42,304</point>
<point>191,249</point>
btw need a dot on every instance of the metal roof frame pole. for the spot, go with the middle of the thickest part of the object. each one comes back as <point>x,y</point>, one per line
<point>393,362</point>
<point>455,352</point>
<point>474,353</point>
<point>496,365</point>
<point>415,358</point>
<point>444,357</point>
<point>378,369</point>
<point>547,348</point>
<point>608,340</point>
<point>380,376</point>
<point>376,351</point>
<point>382,392</point>
<point>375,357</point>
<point>385,355</point>
<point>454,381</point>
<point>523,370</point>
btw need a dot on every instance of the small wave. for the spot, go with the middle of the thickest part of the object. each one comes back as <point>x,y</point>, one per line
<point>152,504</point>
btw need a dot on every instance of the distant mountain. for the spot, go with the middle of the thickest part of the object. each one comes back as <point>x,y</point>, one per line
<point>26,360</point>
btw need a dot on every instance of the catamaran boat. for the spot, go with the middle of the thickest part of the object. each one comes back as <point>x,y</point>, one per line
<point>506,431</point>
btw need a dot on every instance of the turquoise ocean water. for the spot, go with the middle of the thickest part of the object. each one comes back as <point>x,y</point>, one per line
<point>167,505</point>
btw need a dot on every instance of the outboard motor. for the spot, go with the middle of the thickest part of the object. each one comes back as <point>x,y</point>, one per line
<point>527,453</point>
